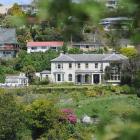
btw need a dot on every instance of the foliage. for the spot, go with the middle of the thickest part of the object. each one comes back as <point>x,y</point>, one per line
<point>16,10</point>
<point>42,116</point>
<point>11,118</point>
<point>129,52</point>
<point>38,61</point>
<point>74,51</point>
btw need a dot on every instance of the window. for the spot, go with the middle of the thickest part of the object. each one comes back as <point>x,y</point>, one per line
<point>59,66</point>
<point>96,65</point>
<point>58,77</point>
<point>79,65</point>
<point>34,48</point>
<point>47,76</point>
<point>87,46</point>
<point>70,77</point>
<point>43,47</point>
<point>86,65</point>
<point>70,65</point>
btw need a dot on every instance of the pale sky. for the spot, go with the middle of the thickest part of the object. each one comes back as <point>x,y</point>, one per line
<point>9,2</point>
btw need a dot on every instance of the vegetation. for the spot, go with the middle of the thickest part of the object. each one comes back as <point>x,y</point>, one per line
<point>45,115</point>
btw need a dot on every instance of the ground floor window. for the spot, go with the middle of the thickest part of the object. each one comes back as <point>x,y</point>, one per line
<point>58,77</point>
<point>70,77</point>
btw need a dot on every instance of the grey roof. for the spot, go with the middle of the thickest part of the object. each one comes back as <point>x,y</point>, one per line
<point>16,77</point>
<point>89,57</point>
<point>7,35</point>
<point>46,72</point>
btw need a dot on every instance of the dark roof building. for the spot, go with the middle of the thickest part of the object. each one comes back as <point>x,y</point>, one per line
<point>8,43</point>
<point>89,57</point>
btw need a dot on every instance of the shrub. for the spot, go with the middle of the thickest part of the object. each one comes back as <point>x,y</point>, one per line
<point>69,115</point>
<point>11,118</point>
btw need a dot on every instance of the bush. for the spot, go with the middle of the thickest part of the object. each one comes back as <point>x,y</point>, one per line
<point>11,118</point>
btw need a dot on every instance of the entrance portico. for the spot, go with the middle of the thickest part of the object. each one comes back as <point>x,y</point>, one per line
<point>88,78</point>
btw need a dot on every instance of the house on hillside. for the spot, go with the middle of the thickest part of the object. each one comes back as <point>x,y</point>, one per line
<point>111,4</point>
<point>27,8</point>
<point>16,80</point>
<point>33,47</point>
<point>8,43</point>
<point>116,23</point>
<point>87,46</point>
<point>87,68</point>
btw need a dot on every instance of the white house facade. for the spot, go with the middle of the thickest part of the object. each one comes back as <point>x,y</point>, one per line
<point>33,47</point>
<point>87,68</point>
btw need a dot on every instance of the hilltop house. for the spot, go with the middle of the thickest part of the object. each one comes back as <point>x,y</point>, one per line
<point>8,43</point>
<point>33,47</point>
<point>87,68</point>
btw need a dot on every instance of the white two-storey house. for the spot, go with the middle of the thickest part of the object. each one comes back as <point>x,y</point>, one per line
<point>87,68</point>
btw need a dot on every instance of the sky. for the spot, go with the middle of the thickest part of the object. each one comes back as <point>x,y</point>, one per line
<point>9,2</point>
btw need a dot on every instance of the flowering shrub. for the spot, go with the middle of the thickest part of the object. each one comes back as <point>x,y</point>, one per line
<point>69,115</point>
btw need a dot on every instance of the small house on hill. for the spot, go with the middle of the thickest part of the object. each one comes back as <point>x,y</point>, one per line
<point>33,47</point>
<point>8,43</point>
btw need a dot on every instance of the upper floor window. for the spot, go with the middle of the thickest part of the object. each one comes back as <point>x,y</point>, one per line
<point>79,65</point>
<point>70,65</point>
<point>96,65</point>
<point>86,65</point>
<point>70,77</point>
<point>59,66</point>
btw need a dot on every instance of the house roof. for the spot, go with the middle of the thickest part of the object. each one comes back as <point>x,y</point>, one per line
<point>45,44</point>
<point>7,35</point>
<point>89,57</point>
<point>16,77</point>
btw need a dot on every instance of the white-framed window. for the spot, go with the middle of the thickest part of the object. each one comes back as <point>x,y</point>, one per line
<point>79,65</point>
<point>96,65</point>
<point>70,65</point>
<point>70,77</point>
<point>86,65</point>
<point>34,48</point>
<point>59,66</point>
<point>58,77</point>
<point>115,74</point>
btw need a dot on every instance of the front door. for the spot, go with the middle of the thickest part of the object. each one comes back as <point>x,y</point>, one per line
<point>96,78</point>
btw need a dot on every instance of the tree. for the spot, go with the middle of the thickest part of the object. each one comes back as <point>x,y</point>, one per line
<point>130,68</point>
<point>129,52</point>
<point>15,10</point>
<point>30,72</point>
<point>11,120</point>
<point>74,51</point>
<point>70,16</point>
<point>42,117</point>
